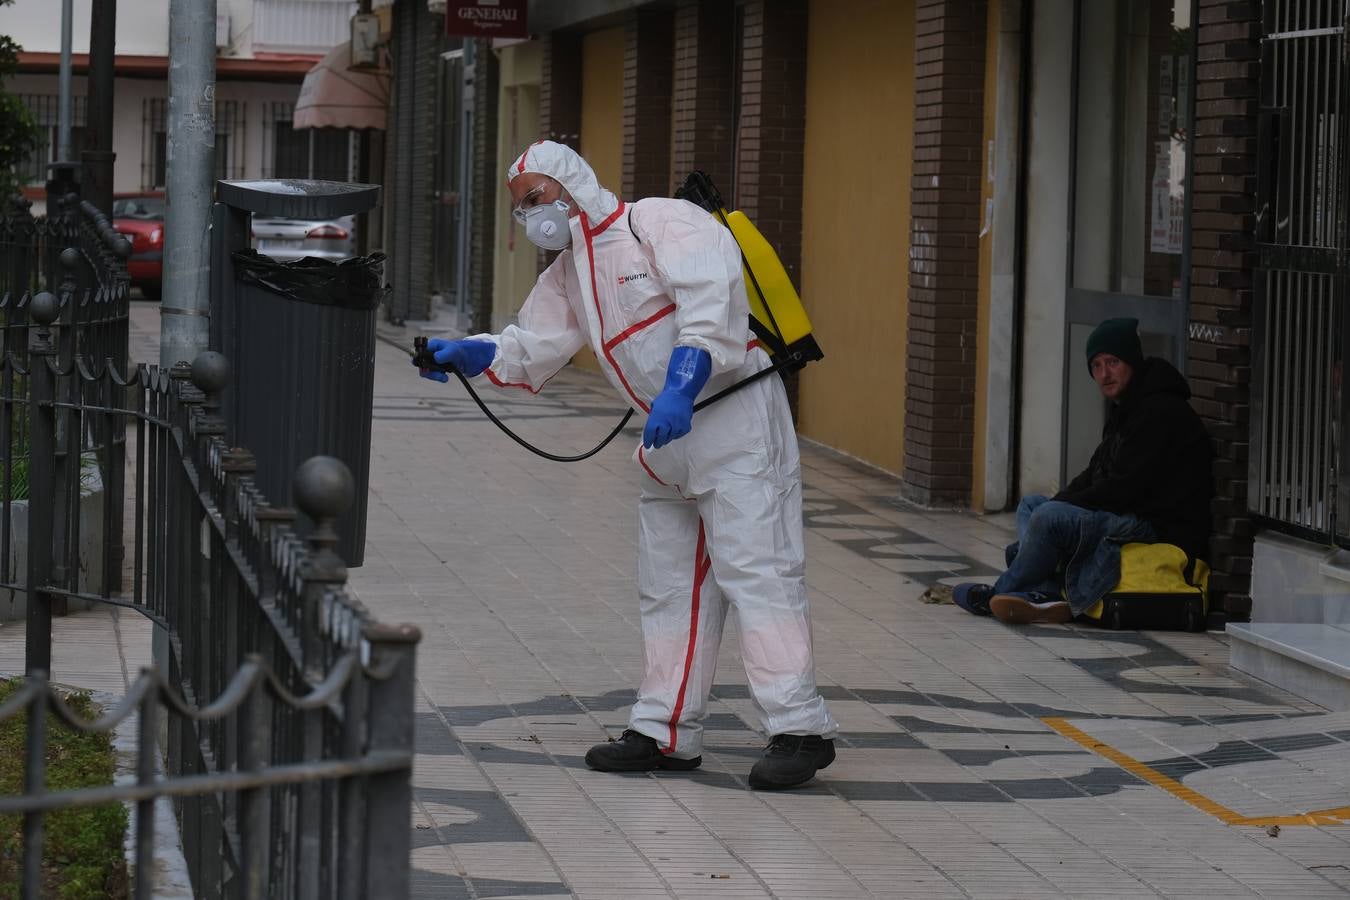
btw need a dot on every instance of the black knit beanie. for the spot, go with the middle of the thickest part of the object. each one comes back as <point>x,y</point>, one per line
<point>1120,338</point>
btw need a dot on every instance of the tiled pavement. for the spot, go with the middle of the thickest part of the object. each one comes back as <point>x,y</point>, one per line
<point>950,781</point>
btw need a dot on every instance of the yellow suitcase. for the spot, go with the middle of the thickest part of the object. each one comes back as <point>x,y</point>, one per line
<point>1160,587</point>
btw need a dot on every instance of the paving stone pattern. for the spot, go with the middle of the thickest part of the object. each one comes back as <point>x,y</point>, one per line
<point>948,783</point>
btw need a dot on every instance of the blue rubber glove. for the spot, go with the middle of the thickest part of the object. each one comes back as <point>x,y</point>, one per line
<point>673,409</point>
<point>468,357</point>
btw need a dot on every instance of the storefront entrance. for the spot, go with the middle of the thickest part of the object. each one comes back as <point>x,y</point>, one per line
<point>1129,252</point>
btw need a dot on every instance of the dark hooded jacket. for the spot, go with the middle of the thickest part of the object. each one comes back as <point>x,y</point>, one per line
<point>1154,461</point>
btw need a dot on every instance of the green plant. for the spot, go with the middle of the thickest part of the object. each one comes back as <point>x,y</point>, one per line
<point>18,477</point>
<point>82,856</point>
<point>18,459</point>
<point>18,131</point>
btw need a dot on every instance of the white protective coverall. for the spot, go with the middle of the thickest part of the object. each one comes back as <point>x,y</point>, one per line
<point>720,513</point>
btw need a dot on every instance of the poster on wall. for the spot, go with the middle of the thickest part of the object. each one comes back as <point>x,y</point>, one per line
<point>1176,228</point>
<point>1160,202</point>
<point>486,19</point>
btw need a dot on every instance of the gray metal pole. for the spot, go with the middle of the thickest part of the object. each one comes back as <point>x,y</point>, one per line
<point>183,324</point>
<point>63,89</point>
<point>98,154</point>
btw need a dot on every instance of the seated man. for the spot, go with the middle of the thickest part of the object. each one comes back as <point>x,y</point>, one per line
<point>1149,481</point>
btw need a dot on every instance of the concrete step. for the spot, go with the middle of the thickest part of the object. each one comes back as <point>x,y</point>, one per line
<point>1310,660</point>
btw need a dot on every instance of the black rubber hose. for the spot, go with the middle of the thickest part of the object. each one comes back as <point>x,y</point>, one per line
<point>526,444</point>
<point>793,360</point>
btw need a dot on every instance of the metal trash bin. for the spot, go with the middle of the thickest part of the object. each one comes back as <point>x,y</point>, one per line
<point>300,340</point>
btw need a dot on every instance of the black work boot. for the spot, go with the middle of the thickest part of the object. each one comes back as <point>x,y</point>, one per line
<point>790,760</point>
<point>634,752</point>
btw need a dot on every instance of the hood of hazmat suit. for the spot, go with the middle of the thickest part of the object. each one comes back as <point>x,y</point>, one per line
<point>564,165</point>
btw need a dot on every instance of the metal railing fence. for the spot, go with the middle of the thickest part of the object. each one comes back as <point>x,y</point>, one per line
<point>284,710</point>
<point>333,823</point>
<point>74,256</point>
<point>290,750</point>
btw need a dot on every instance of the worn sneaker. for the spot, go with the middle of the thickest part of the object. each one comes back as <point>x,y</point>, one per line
<point>634,752</point>
<point>1030,608</point>
<point>790,760</point>
<point>973,597</point>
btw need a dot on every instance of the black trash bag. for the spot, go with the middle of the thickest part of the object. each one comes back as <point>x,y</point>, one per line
<point>355,283</point>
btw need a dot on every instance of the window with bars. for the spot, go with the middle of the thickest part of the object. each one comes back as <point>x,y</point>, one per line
<point>324,153</point>
<point>46,114</point>
<point>155,150</point>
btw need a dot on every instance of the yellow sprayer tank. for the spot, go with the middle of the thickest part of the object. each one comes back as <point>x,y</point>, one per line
<point>773,299</point>
<point>777,316</point>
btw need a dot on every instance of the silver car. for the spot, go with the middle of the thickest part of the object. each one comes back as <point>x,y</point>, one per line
<point>287,240</point>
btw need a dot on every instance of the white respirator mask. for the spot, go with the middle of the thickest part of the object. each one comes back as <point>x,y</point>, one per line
<point>546,225</point>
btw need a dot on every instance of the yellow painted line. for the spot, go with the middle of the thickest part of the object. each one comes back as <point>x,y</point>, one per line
<point>1337,816</point>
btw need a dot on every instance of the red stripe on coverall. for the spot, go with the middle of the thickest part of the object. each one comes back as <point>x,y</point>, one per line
<point>701,566</point>
<point>595,298</point>
<point>586,223</point>
<point>642,461</point>
<point>634,329</point>
<point>517,384</point>
<point>520,167</point>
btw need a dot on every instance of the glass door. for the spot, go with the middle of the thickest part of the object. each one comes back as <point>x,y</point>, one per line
<point>453,187</point>
<point>1129,244</point>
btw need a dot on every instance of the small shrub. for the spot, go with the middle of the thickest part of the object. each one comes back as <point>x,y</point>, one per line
<point>82,855</point>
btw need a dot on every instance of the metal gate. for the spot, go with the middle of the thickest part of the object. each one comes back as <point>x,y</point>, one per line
<point>1299,335</point>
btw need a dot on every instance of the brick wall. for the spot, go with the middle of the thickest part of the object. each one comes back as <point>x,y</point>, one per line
<point>560,88</point>
<point>485,178</point>
<point>1223,259</point>
<point>648,57</point>
<point>704,92</point>
<point>773,125</point>
<point>560,98</point>
<point>771,154</point>
<point>944,252</point>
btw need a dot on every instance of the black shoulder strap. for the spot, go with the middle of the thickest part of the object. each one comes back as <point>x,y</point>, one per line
<point>629,217</point>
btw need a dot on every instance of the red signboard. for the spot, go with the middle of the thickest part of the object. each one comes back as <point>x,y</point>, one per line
<point>486,18</point>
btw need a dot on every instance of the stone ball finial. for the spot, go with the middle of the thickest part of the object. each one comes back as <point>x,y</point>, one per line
<point>210,371</point>
<point>69,257</point>
<point>44,308</point>
<point>324,487</point>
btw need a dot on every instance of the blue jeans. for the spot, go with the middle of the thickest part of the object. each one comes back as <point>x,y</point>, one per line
<point>1051,533</point>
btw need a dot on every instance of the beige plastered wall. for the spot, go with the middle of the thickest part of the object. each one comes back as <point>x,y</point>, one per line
<point>515,260</point>
<point>602,119</point>
<point>855,224</point>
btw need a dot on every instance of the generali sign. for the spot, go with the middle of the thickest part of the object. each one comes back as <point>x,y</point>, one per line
<point>486,18</point>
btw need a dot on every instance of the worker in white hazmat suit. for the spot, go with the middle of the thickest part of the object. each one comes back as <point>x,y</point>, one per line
<point>655,289</point>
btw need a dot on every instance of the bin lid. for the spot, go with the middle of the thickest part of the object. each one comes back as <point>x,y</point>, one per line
<point>299,198</point>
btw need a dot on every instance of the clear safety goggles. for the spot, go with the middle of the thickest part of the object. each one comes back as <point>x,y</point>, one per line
<point>530,201</point>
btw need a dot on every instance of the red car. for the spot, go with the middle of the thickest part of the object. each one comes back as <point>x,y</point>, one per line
<point>140,217</point>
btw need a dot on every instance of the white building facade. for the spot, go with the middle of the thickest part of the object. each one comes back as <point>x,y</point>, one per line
<point>264,48</point>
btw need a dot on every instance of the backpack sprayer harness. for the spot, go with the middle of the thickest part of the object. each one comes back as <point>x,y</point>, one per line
<point>772,298</point>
